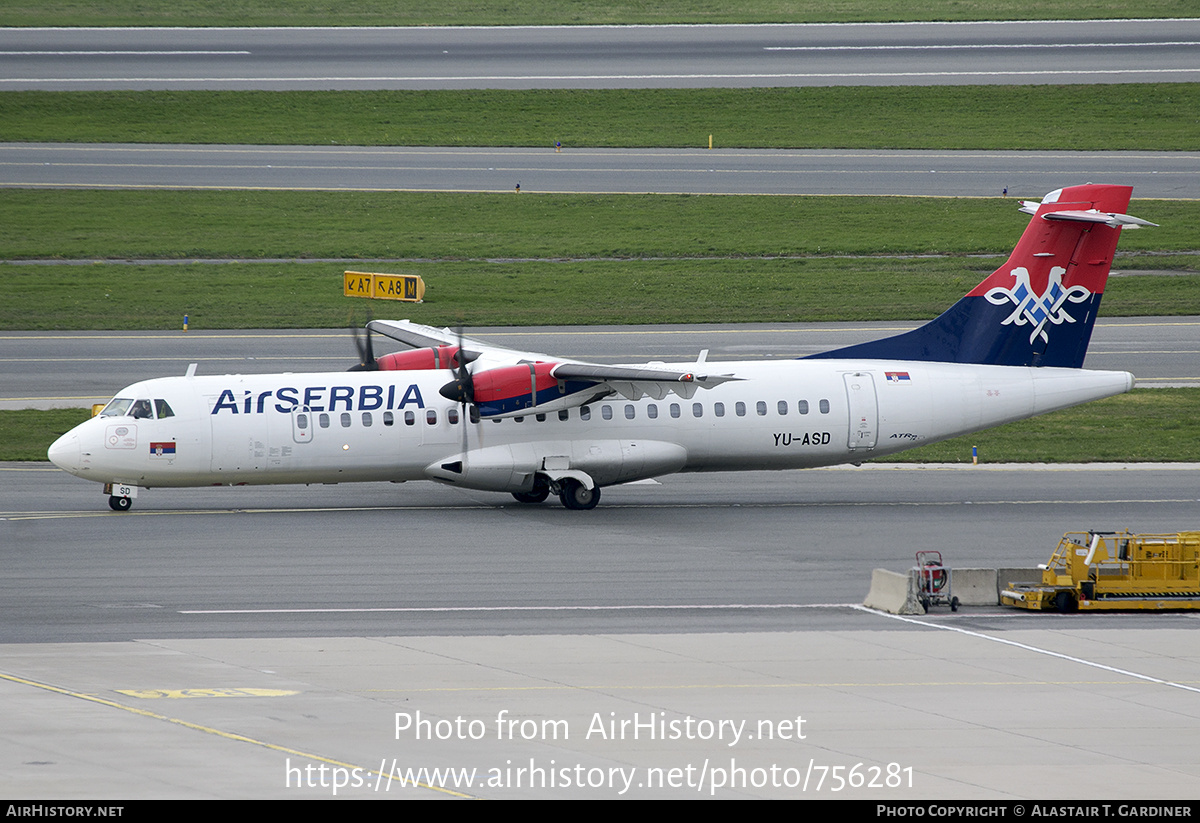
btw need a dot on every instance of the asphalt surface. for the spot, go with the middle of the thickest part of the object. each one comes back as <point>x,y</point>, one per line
<point>1115,51</point>
<point>756,551</point>
<point>290,642</point>
<point>541,170</point>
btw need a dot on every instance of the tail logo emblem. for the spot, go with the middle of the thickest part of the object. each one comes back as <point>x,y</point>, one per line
<point>1037,310</point>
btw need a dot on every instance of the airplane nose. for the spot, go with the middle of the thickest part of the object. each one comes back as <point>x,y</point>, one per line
<point>64,452</point>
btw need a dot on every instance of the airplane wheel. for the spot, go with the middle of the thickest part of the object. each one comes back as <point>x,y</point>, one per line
<point>575,495</point>
<point>119,504</point>
<point>536,496</point>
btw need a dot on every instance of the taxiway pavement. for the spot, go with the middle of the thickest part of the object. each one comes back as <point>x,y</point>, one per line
<point>1093,51</point>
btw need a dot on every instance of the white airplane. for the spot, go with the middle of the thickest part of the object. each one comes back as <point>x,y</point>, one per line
<point>468,414</point>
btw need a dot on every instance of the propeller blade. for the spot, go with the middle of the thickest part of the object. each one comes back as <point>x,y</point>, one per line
<point>365,347</point>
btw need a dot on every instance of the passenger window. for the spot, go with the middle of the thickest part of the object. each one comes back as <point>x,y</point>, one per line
<point>302,421</point>
<point>629,411</point>
<point>366,418</point>
<point>824,405</point>
<point>802,406</point>
<point>564,414</point>
<point>782,406</point>
<point>474,414</point>
<point>761,408</point>
<point>674,409</point>
<point>739,408</point>
<point>541,418</point>
<point>345,420</point>
<point>697,410</point>
<point>410,419</point>
<point>719,409</point>
<point>162,409</point>
<point>652,411</point>
<point>452,415</point>
<point>518,419</point>
<point>585,413</point>
<point>324,421</point>
<point>431,416</point>
<point>388,419</point>
<point>606,412</point>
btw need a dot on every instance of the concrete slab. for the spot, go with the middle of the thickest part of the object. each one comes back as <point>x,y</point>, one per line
<point>920,708</point>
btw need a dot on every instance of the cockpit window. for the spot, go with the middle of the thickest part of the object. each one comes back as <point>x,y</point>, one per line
<point>162,409</point>
<point>141,410</point>
<point>117,407</point>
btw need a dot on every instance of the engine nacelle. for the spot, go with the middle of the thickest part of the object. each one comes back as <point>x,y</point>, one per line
<point>432,358</point>
<point>511,391</point>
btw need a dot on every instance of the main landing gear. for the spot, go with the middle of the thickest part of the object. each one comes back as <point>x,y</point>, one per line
<point>575,495</point>
<point>572,493</point>
<point>119,504</point>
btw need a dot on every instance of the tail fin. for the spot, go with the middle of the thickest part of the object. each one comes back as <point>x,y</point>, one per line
<point>1038,309</point>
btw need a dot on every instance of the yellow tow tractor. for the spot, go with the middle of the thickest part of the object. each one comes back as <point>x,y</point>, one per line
<point>1115,570</point>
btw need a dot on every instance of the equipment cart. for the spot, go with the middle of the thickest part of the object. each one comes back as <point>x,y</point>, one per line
<point>934,587</point>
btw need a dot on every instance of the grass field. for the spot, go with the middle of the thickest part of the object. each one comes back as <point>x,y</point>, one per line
<point>74,224</point>
<point>509,259</point>
<point>442,226</point>
<point>544,12</point>
<point>309,295</point>
<point>1140,116</point>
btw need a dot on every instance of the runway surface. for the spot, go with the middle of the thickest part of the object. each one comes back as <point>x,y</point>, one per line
<point>695,171</point>
<point>758,551</point>
<point>1114,51</point>
<point>74,369</point>
<point>254,642</point>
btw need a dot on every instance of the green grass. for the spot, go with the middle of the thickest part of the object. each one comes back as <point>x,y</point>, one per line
<point>1139,116</point>
<point>539,12</point>
<point>26,434</point>
<point>1111,430</point>
<point>75,224</point>
<point>573,258</point>
<point>309,295</point>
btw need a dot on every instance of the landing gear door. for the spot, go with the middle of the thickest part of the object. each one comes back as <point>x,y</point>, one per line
<point>864,410</point>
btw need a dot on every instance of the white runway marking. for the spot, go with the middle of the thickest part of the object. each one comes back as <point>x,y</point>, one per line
<point>1036,650</point>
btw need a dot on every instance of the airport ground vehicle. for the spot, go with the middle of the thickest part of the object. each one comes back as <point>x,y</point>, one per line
<point>1115,570</point>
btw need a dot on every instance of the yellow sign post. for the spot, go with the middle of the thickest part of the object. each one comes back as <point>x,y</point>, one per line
<point>407,287</point>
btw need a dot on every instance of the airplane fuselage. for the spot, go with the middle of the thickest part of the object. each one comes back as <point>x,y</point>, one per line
<point>394,426</point>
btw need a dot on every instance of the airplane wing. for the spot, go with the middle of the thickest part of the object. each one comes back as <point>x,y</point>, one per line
<point>419,336</point>
<point>632,383</point>
<point>508,382</point>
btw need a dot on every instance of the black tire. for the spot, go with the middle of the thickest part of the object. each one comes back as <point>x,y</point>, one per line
<point>535,496</point>
<point>953,604</point>
<point>539,492</point>
<point>119,504</point>
<point>1064,602</point>
<point>575,495</point>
